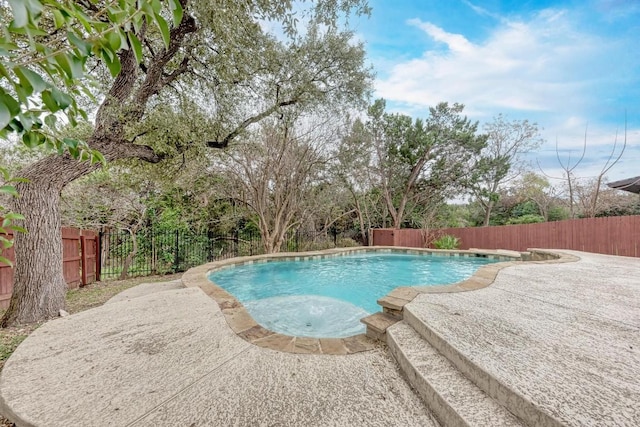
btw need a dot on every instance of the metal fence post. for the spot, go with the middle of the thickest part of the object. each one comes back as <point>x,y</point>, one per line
<point>235,242</point>
<point>210,255</point>
<point>99,255</point>
<point>176,260</point>
<point>154,250</point>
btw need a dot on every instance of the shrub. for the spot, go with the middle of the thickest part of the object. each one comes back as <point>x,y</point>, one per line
<point>345,242</point>
<point>526,219</point>
<point>558,213</point>
<point>447,242</point>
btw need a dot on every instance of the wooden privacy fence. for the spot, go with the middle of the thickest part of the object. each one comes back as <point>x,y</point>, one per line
<point>80,262</point>
<point>610,235</point>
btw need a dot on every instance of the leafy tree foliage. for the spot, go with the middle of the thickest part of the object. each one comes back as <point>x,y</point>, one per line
<point>501,159</point>
<point>183,73</point>
<point>422,162</point>
<point>44,47</point>
<point>530,198</point>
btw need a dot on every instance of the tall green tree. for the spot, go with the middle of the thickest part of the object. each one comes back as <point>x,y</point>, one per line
<point>44,48</point>
<point>422,162</point>
<point>215,61</point>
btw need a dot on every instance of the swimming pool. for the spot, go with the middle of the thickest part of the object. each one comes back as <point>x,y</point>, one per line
<point>327,297</point>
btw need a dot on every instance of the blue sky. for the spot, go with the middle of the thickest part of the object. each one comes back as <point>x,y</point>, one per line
<point>570,66</point>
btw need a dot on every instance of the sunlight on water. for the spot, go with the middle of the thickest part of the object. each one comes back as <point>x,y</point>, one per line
<point>308,316</point>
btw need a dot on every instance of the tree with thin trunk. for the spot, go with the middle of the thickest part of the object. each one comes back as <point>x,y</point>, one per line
<point>353,161</point>
<point>215,58</point>
<point>537,189</point>
<point>568,175</point>
<point>577,192</point>
<point>501,160</point>
<point>275,172</point>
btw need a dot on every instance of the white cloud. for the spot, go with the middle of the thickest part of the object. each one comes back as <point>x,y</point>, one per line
<point>540,65</point>
<point>456,42</point>
<point>544,69</point>
<point>480,10</point>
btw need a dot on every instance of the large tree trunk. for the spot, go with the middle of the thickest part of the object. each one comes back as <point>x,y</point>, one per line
<point>38,260</point>
<point>39,287</point>
<point>268,239</point>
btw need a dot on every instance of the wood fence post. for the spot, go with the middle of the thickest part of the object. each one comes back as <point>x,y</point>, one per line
<point>71,256</point>
<point>89,257</point>
<point>84,262</point>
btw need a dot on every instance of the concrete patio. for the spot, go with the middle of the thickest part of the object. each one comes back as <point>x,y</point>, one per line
<point>564,336</point>
<point>556,344</point>
<point>169,359</point>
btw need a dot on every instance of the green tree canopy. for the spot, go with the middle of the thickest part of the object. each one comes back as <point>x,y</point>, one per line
<point>183,73</point>
<point>422,162</point>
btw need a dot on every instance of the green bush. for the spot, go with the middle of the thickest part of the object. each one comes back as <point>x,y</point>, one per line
<point>447,242</point>
<point>345,242</point>
<point>558,213</point>
<point>526,219</point>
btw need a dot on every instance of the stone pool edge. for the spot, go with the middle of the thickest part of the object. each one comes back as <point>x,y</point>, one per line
<point>394,302</point>
<point>241,322</point>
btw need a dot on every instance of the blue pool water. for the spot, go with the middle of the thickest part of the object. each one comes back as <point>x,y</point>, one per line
<point>328,297</point>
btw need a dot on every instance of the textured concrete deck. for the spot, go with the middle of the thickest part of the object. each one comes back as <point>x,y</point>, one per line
<point>564,336</point>
<point>169,359</point>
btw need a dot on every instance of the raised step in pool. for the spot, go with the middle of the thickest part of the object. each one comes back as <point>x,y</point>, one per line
<point>377,325</point>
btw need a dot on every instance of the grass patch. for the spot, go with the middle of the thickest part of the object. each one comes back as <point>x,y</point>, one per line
<point>9,344</point>
<point>98,293</point>
<point>10,338</point>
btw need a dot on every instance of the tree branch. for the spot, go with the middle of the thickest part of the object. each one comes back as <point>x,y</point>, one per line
<point>251,120</point>
<point>129,150</point>
<point>182,68</point>
<point>153,81</point>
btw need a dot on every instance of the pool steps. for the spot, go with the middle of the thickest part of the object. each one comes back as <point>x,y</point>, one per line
<point>449,394</point>
<point>394,301</point>
<point>454,399</point>
<point>459,392</point>
<point>377,325</point>
<point>526,411</point>
<point>392,305</point>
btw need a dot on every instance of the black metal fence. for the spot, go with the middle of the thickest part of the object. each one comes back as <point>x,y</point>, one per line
<point>162,252</point>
